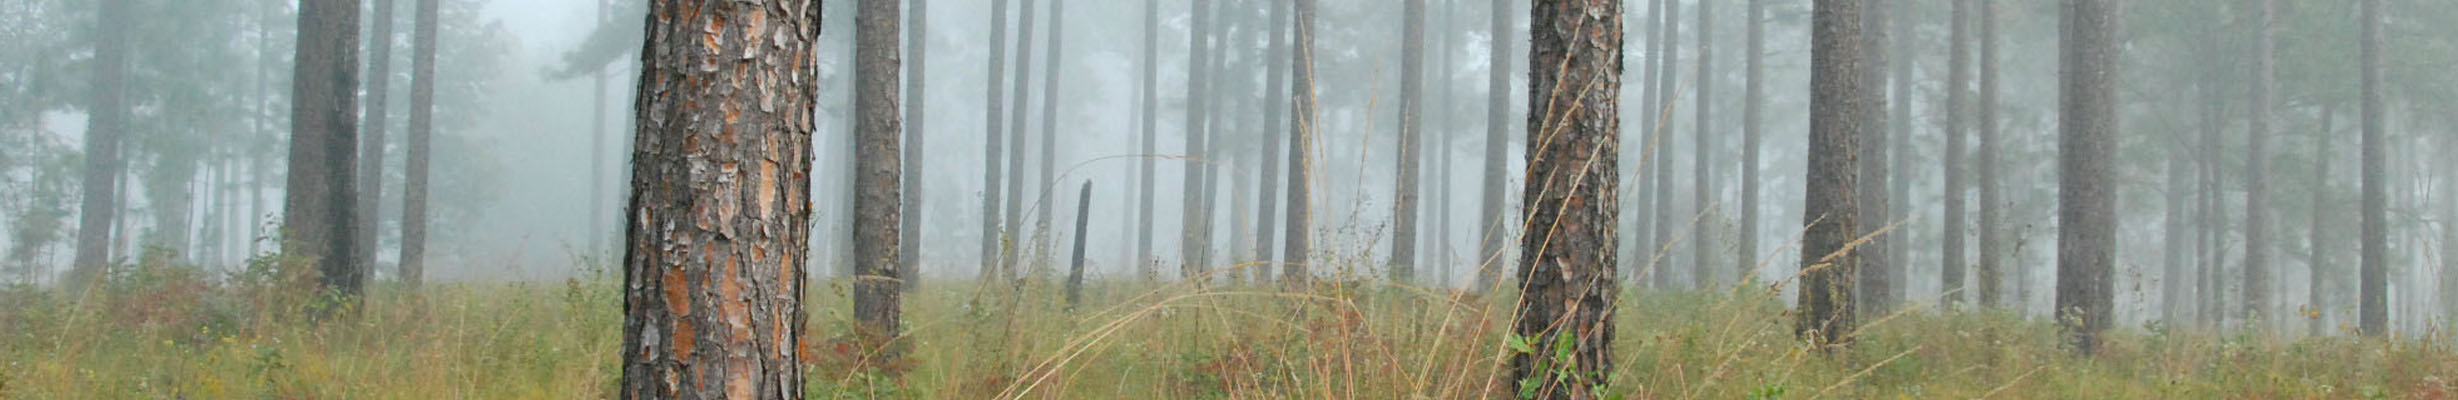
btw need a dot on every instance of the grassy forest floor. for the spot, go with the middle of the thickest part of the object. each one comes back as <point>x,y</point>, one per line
<point>160,333</point>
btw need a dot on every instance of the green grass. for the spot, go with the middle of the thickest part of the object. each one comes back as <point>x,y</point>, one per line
<point>156,333</point>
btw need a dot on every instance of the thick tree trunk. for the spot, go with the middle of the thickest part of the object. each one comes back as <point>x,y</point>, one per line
<point>1958,83</point>
<point>993,239</point>
<point>371,150</point>
<point>422,132</point>
<point>2256,308</point>
<point>1012,245</point>
<point>1753,104</point>
<point>106,120</point>
<point>1702,188</point>
<point>2086,197</point>
<point>320,209</point>
<point>1302,128</point>
<point>2372,293</point>
<point>917,44</point>
<point>1566,260</point>
<point>718,219</point>
<point>876,170</point>
<point>1839,96</point>
<point>1412,104</point>
<point>1149,124</point>
<point>1875,287</point>
<point>1496,222</point>
<point>1992,261</point>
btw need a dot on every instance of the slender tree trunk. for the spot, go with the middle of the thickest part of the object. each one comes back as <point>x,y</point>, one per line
<point>2373,308</point>
<point>2257,209</point>
<point>1267,201</point>
<point>2086,198</point>
<point>1497,146</point>
<point>1702,188</point>
<point>1412,103</point>
<point>371,151</point>
<point>1659,168</point>
<point>422,132</point>
<point>2317,290</point>
<point>1566,260</point>
<point>1991,265</point>
<point>1875,268</point>
<point>1151,133</point>
<point>700,327</point>
<point>1014,237</point>
<point>2214,230</point>
<point>1302,128</point>
<point>320,210</point>
<point>1753,104</point>
<point>1640,267</point>
<point>1840,94</point>
<point>993,238</point>
<point>596,239</point>
<point>917,44</point>
<point>1958,82</point>
<point>1075,269</point>
<point>106,121</point>
<point>1444,134</point>
<point>1049,141</point>
<point>1190,257</point>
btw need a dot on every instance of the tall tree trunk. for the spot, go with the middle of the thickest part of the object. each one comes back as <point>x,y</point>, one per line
<point>596,239</point>
<point>2256,308</point>
<point>1302,128</point>
<point>2318,281</point>
<point>1840,93</point>
<point>1497,145</point>
<point>1075,269</point>
<point>876,302</point>
<point>993,238</point>
<point>1566,259</point>
<point>1659,168</point>
<point>1639,267</point>
<point>1702,189</point>
<point>1753,104</point>
<point>718,222</point>
<point>1876,270</point>
<point>422,132</point>
<point>1012,246</point>
<point>371,151</point>
<point>1190,243</point>
<point>1151,133</point>
<point>917,44</point>
<point>1267,201</point>
<point>1049,142</point>
<point>1992,262</point>
<point>1958,83</point>
<point>106,121</point>
<point>1444,254</point>
<point>1412,103</point>
<point>2086,198</point>
<point>2214,229</point>
<point>2372,294</point>
<point>320,209</point>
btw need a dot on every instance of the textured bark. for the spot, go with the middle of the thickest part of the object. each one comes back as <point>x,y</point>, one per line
<point>2318,282</point>
<point>876,200</point>
<point>1412,104</point>
<point>1266,167</point>
<point>719,212</point>
<point>1753,105</point>
<point>1875,285</point>
<point>1302,129</point>
<point>422,132</point>
<point>320,207</point>
<point>1566,259</point>
<point>1149,124</point>
<point>1011,244</point>
<point>2256,307</point>
<point>1958,83</point>
<point>917,44</point>
<point>371,150</point>
<point>1497,145</point>
<point>106,120</point>
<point>1075,267</point>
<point>1049,143</point>
<point>1192,239</point>
<point>1991,264</point>
<point>1838,97</point>
<point>2086,197</point>
<point>992,237</point>
<point>2373,311</point>
<point>1702,188</point>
